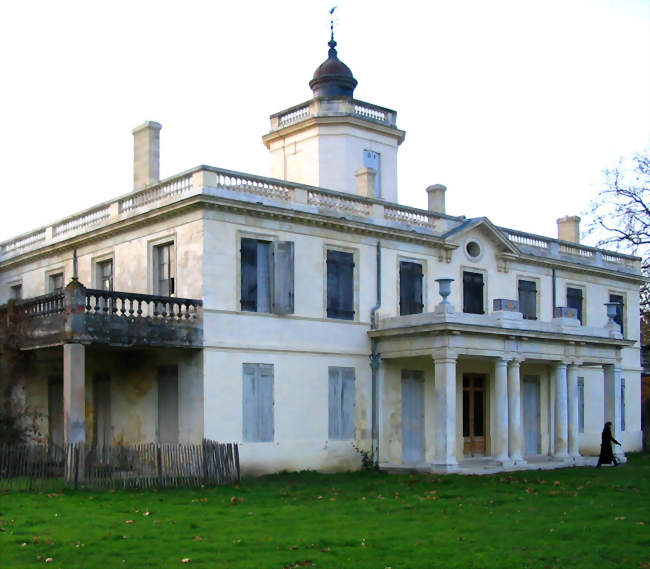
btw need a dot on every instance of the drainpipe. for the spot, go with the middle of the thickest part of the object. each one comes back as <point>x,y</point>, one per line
<point>375,361</point>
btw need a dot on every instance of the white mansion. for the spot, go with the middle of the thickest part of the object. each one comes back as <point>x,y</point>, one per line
<point>312,319</point>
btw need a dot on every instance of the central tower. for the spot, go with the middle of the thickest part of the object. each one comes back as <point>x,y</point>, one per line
<point>335,141</point>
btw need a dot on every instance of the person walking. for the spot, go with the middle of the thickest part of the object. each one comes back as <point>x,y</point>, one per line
<point>606,452</point>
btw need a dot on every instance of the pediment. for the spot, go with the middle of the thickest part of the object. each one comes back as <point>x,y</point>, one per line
<point>483,227</point>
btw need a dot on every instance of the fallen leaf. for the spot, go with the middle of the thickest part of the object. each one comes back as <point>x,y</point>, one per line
<point>620,518</point>
<point>197,538</point>
<point>147,514</point>
<point>185,560</point>
<point>556,483</point>
<point>129,522</point>
<point>48,560</point>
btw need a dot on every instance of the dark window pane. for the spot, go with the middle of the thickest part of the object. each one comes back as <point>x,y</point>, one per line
<point>574,300</point>
<point>528,299</point>
<point>249,274</point>
<point>410,288</point>
<point>478,413</point>
<point>465,413</point>
<point>473,293</point>
<point>340,285</point>
<point>619,309</point>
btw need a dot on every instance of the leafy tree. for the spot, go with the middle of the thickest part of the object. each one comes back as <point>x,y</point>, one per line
<point>621,215</point>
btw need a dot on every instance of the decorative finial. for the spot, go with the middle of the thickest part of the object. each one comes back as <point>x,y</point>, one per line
<point>75,268</point>
<point>332,43</point>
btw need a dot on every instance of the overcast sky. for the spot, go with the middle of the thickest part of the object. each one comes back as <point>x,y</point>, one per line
<point>516,106</point>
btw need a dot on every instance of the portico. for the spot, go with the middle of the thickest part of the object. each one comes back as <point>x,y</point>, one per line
<point>491,393</point>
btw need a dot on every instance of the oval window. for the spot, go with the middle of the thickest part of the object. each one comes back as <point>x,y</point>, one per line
<point>473,249</point>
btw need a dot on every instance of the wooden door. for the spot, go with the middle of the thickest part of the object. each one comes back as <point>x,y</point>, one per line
<point>531,415</point>
<point>474,414</point>
<point>412,416</point>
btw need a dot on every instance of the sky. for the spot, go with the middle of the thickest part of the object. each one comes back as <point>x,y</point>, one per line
<point>516,106</point>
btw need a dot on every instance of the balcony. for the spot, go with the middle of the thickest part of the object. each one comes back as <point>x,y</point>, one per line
<point>88,316</point>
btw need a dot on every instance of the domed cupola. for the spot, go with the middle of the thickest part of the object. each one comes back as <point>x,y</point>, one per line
<point>333,78</point>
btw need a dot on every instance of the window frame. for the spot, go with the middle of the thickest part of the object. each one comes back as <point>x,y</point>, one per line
<point>582,314</point>
<point>355,281</point>
<point>13,286</point>
<point>623,322</point>
<point>152,270</point>
<point>51,274</point>
<point>535,281</point>
<point>483,273</point>
<point>423,288</point>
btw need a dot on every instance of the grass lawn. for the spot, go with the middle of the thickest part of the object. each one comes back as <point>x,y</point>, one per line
<point>572,518</point>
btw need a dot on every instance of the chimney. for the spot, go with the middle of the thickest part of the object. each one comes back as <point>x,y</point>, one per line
<point>146,154</point>
<point>437,198</point>
<point>568,228</point>
<point>366,184</point>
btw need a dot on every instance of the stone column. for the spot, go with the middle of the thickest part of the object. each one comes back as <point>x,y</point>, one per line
<point>74,393</point>
<point>612,399</point>
<point>515,433</point>
<point>500,434</point>
<point>561,424</point>
<point>445,408</point>
<point>572,381</point>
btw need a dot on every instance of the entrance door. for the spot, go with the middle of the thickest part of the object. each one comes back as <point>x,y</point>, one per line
<point>412,416</point>
<point>168,404</point>
<point>474,414</point>
<point>531,415</point>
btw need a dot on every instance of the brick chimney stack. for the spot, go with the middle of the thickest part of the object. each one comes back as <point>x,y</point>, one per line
<point>568,228</point>
<point>146,154</point>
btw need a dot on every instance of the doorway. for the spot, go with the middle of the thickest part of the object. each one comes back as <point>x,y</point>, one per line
<point>531,415</point>
<point>474,414</point>
<point>168,404</point>
<point>412,416</point>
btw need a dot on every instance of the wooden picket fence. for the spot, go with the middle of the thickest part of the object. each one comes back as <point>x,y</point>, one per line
<point>141,466</point>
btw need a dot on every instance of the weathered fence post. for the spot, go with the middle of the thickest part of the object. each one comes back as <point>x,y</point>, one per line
<point>159,465</point>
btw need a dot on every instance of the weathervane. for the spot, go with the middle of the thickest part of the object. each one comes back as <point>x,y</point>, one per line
<point>332,22</point>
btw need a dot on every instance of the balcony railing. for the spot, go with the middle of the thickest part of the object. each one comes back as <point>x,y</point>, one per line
<point>106,317</point>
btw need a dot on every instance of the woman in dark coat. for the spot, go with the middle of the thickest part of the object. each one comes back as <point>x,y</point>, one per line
<point>606,453</point>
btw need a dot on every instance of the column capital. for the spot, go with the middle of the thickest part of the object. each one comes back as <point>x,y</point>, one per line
<point>516,362</point>
<point>444,354</point>
<point>501,361</point>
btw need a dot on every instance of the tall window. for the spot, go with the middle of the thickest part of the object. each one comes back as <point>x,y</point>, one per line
<point>620,309</point>
<point>371,160</point>
<point>341,403</point>
<point>528,299</point>
<point>581,404</point>
<point>56,283</point>
<point>473,293</point>
<point>258,403</point>
<point>16,291</point>
<point>622,404</point>
<point>410,288</point>
<point>105,275</point>
<point>340,285</point>
<point>574,300</point>
<point>164,278</point>
<point>267,278</point>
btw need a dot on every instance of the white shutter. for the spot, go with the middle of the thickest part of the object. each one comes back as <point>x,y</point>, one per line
<point>283,270</point>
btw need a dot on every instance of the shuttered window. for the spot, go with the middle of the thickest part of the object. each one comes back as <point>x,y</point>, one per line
<point>105,275</point>
<point>620,309</point>
<point>258,403</point>
<point>267,276</point>
<point>410,288</point>
<point>163,261</point>
<point>473,293</point>
<point>340,285</point>
<point>581,404</point>
<point>341,403</point>
<point>528,299</point>
<point>56,283</point>
<point>574,300</point>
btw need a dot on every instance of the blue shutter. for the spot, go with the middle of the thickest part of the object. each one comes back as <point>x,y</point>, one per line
<point>283,280</point>
<point>257,403</point>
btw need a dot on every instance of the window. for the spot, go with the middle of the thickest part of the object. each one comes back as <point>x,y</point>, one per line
<point>410,288</point>
<point>16,291</point>
<point>371,160</point>
<point>581,404</point>
<point>574,300</point>
<point>341,403</point>
<point>104,276</point>
<point>267,276</point>
<point>620,309</point>
<point>163,270</point>
<point>528,299</point>
<point>258,403</point>
<point>340,285</point>
<point>473,293</point>
<point>622,404</point>
<point>56,282</point>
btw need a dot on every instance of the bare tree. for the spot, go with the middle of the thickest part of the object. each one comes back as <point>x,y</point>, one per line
<point>621,218</point>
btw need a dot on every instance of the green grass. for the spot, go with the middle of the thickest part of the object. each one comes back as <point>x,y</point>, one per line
<point>572,518</point>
